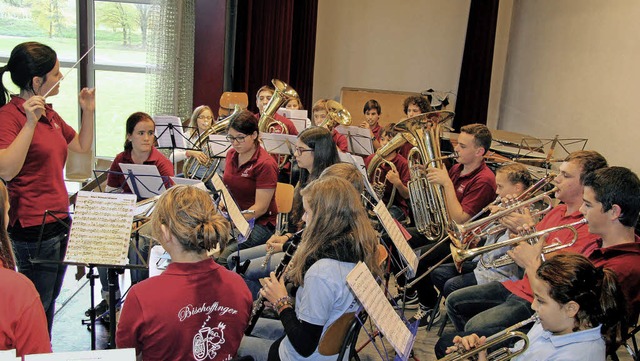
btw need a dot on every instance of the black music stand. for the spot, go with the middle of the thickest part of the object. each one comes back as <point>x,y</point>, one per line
<point>167,138</point>
<point>138,186</point>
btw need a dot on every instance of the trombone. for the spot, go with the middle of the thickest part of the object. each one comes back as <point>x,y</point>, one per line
<point>501,354</point>
<point>460,255</point>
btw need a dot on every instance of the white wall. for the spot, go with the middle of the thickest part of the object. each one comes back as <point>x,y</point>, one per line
<point>573,70</point>
<point>407,45</point>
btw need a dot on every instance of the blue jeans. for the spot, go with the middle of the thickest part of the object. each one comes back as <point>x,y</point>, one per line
<point>255,271</point>
<point>259,235</point>
<point>262,336</point>
<point>447,279</point>
<point>46,277</point>
<point>486,308</point>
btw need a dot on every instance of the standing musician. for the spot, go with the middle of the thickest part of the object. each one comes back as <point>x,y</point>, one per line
<point>196,309</point>
<point>492,306</point>
<point>23,324</point>
<point>391,179</point>
<point>33,149</point>
<point>314,152</point>
<point>338,235</point>
<point>468,187</point>
<point>320,113</point>
<point>251,175</point>
<point>581,312</point>
<point>372,111</point>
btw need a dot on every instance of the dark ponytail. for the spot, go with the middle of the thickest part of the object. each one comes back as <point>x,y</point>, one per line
<point>572,277</point>
<point>27,60</point>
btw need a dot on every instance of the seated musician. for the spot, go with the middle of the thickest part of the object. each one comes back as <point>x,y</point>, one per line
<point>293,104</point>
<point>138,149</point>
<point>200,121</point>
<point>23,324</point>
<point>372,111</point>
<point>511,179</point>
<point>468,187</point>
<point>251,175</point>
<point>606,191</point>
<point>315,151</point>
<point>338,235</point>
<point>319,118</point>
<point>581,312</point>
<point>412,106</point>
<point>195,309</point>
<point>393,180</point>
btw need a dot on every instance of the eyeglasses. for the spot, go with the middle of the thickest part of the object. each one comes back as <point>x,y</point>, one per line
<point>298,150</point>
<point>239,139</point>
<point>205,117</point>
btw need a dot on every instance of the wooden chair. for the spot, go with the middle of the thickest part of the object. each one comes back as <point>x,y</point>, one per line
<point>229,99</point>
<point>284,202</point>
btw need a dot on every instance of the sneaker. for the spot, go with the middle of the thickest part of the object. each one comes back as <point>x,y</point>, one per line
<point>410,302</point>
<point>424,315</point>
<point>101,308</point>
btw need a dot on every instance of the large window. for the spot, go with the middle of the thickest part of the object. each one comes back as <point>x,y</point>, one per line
<point>116,68</point>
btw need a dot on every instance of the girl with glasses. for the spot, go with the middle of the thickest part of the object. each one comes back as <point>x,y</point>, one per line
<point>251,175</point>
<point>201,120</point>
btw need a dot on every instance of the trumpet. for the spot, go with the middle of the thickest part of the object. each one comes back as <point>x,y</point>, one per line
<point>501,354</point>
<point>460,255</point>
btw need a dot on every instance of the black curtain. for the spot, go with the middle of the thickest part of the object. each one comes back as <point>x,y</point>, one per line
<point>472,102</point>
<point>275,39</point>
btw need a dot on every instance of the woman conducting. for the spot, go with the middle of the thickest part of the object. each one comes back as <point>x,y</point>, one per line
<point>338,235</point>
<point>33,149</point>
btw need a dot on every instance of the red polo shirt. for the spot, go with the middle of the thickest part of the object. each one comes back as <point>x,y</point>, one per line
<point>260,172</point>
<point>165,168</point>
<point>403,170</point>
<point>584,245</point>
<point>340,140</point>
<point>39,186</point>
<point>474,190</point>
<point>405,149</point>
<point>376,131</point>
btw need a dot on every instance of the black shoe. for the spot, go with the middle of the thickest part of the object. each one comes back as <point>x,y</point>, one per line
<point>424,315</point>
<point>410,302</point>
<point>100,308</point>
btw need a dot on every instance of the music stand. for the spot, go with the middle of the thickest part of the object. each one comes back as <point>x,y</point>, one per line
<point>166,128</point>
<point>144,180</point>
<point>359,139</point>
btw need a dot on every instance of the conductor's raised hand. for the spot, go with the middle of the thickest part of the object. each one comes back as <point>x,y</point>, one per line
<point>87,99</point>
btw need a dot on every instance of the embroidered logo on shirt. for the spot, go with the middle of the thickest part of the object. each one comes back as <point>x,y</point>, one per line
<point>461,188</point>
<point>208,341</point>
<point>245,173</point>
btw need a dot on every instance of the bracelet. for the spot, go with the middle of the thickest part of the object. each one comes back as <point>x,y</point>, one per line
<point>281,303</point>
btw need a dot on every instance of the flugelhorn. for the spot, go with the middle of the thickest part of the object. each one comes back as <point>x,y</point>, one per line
<point>460,255</point>
<point>501,354</point>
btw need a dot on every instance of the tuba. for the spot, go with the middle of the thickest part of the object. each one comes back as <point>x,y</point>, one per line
<point>192,168</point>
<point>267,123</point>
<point>337,114</point>
<point>374,171</point>
<point>427,200</point>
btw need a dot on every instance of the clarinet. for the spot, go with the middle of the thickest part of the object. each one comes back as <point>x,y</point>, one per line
<point>259,304</point>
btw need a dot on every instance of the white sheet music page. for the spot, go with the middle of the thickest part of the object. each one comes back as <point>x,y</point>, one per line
<point>397,237</point>
<point>101,228</point>
<point>276,143</point>
<point>121,354</point>
<point>168,129</point>
<point>369,293</point>
<point>219,145</point>
<point>235,214</point>
<point>359,139</point>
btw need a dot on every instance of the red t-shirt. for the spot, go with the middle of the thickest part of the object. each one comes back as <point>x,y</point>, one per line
<point>474,190</point>
<point>624,260</point>
<point>39,186</point>
<point>165,168</point>
<point>376,131</point>
<point>403,170</point>
<point>260,172</point>
<point>192,311</point>
<point>585,244</point>
<point>405,149</point>
<point>340,140</point>
<point>23,325</point>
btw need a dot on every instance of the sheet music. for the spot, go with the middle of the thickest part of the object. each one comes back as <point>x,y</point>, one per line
<point>101,228</point>
<point>9,355</point>
<point>300,124</point>
<point>368,292</point>
<point>189,182</point>
<point>147,179</point>
<point>276,143</point>
<point>359,139</point>
<point>292,114</point>
<point>219,145</point>
<point>394,232</point>
<point>165,131</point>
<point>120,354</point>
<point>236,216</point>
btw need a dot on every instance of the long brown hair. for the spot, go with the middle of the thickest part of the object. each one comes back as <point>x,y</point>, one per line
<point>572,277</point>
<point>339,228</point>
<point>6,250</point>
